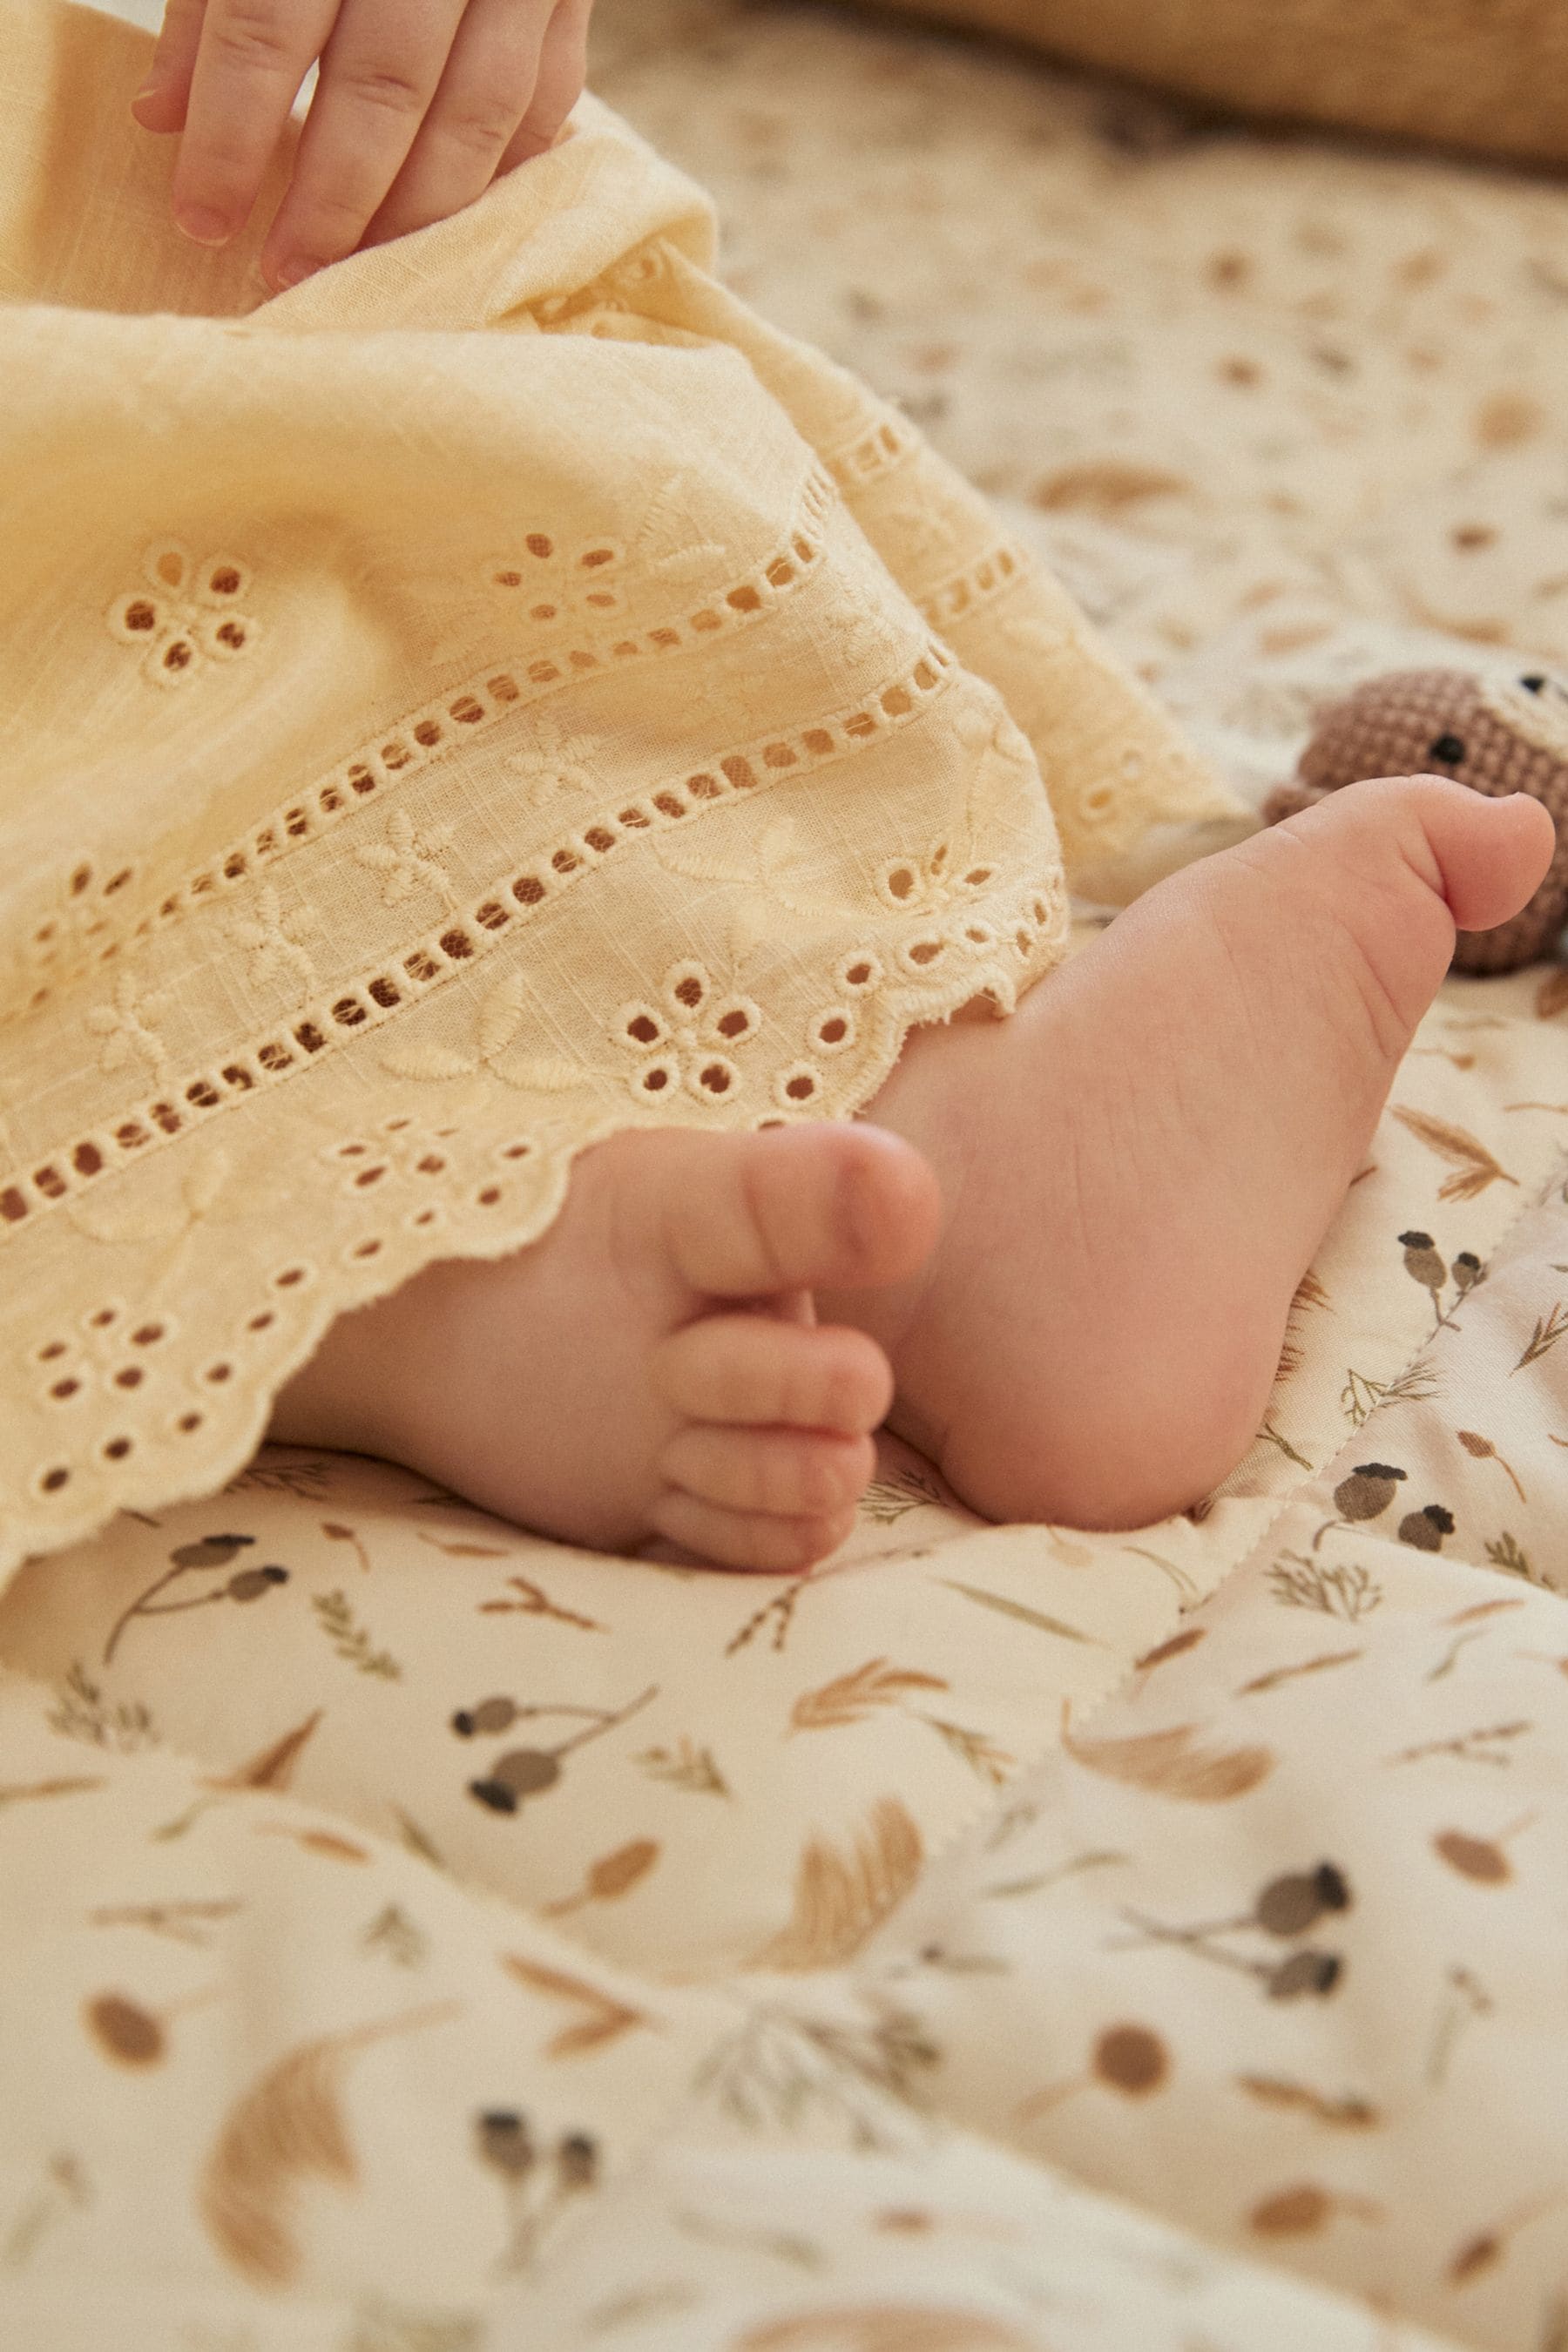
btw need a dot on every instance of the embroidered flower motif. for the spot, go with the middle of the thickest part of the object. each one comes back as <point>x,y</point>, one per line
<point>132,1226</point>
<point>868,641</point>
<point>919,885</point>
<point>79,919</point>
<point>547,583</point>
<point>555,761</point>
<point>927,531</point>
<point>1001,773</point>
<point>682,535</point>
<point>769,877</point>
<point>122,1025</point>
<point>274,940</point>
<point>688,1041</point>
<point>189,614</point>
<point>506,1012</point>
<point>410,858</point>
<point>101,1350</point>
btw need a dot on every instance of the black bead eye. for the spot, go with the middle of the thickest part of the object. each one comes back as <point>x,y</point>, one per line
<point>1449,750</point>
<point>1534,684</point>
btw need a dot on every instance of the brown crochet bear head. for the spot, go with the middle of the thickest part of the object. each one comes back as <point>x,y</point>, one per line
<point>1501,735</point>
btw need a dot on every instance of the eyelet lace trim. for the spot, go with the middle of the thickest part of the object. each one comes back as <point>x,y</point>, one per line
<point>429,733</point>
<point>135,1407</point>
<point>1003,567</point>
<point>889,444</point>
<point>460,941</point>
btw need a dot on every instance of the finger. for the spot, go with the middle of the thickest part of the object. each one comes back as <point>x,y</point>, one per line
<point>253,57</point>
<point>485,92</point>
<point>160,103</point>
<point>563,71</point>
<point>380,70</point>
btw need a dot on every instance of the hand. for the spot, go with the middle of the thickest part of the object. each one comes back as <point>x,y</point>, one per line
<point>419,105</point>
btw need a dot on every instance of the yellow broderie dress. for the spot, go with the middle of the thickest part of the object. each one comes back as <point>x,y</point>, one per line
<point>497,694</point>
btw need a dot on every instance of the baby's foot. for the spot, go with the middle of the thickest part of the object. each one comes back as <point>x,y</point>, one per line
<point>1141,1164</point>
<point>652,1366</point>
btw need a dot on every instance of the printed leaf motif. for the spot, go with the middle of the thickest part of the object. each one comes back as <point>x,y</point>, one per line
<point>274,1768</point>
<point>415,1839</point>
<point>393,1932</point>
<point>287,2128</point>
<point>685,1765</point>
<point>616,1874</point>
<point>1549,1330</point>
<point>335,1616</point>
<point>606,2018</point>
<point>532,1600</point>
<point>1481,1449</point>
<point>1360,1397</point>
<point>1272,1679</point>
<point>1171,1764</point>
<point>842,1896</point>
<point>83,1712</point>
<point>337,1532</point>
<point>613,1875</point>
<point>982,1755</point>
<point>1505,1554</point>
<point>124,2030</point>
<point>853,1697</point>
<point>1480,1859</point>
<point>322,1841</point>
<point>22,1792</point>
<point>909,1488</point>
<point>1293,2212</point>
<point>1309,1294</point>
<point>1187,1639</point>
<point>1348,2113</point>
<point>1473,1165</point>
<point>1026,1616</point>
<point>1347,1591</point>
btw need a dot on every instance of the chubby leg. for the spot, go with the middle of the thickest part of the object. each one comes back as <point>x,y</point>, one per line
<point>1139,1166</point>
<point>652,1366</point>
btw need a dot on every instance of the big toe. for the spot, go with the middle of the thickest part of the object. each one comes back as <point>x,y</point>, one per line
<point>831,1207</point>
<point>1484,857</point>
<point>1510,859</point>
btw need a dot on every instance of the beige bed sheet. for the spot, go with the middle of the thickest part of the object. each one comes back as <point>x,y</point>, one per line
<point>811,1996</point>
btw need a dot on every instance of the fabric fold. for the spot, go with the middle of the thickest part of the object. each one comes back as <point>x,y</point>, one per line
<point>496,695</point>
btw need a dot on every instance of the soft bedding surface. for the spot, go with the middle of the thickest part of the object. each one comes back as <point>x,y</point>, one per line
<point>419,1937</point>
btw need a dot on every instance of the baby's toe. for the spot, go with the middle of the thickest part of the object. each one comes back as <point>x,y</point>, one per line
<point>751,1370</point>
<point>800,1208</point>
<point>785,1473</point>
<point>769,1544</point>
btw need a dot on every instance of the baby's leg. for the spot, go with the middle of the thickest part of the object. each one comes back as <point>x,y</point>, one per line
<point>1140,1165</point>
<point>601,1387</point>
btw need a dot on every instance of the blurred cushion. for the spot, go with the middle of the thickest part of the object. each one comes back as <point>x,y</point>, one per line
<point>1485,74</point>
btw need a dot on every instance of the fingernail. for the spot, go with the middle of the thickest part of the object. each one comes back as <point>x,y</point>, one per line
<point>203,225</point>
<point>293,272</point>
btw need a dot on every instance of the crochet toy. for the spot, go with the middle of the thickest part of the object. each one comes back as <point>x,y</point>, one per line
<point>1499,734</point>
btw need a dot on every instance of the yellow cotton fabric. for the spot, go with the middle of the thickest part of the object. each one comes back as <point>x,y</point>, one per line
<point>496,695</point>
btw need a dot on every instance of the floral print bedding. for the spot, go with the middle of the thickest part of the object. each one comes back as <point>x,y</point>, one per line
<point>419,1937</point>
